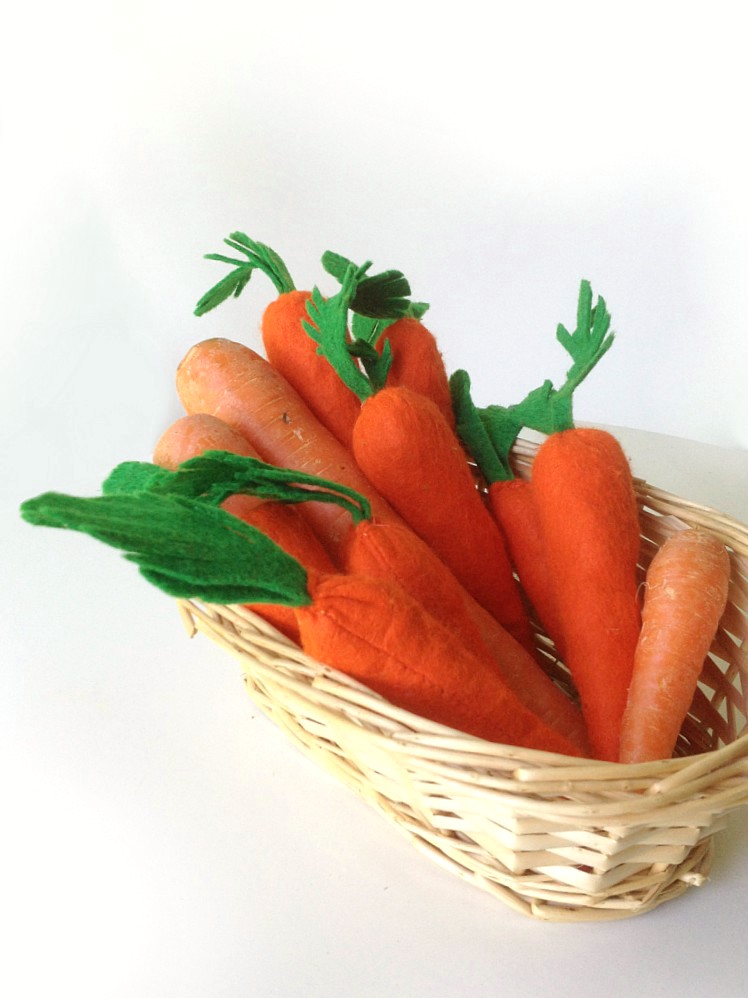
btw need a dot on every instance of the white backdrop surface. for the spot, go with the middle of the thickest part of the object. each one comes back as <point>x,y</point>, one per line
<point>159,844</point>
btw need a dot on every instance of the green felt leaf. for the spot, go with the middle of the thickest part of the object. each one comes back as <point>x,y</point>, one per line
<point>366,329</point>
<point>376,364</point>
<point>215,475</point>
<point>259,257</point>
<point>131,477</point>
<point>188,548</point>
<point>329,329</point>
<point>380,296</point>
<point>489,433</point>
<point>488,440</point>
<point>417,309</point>
<point>231,286</point>
<point>590,340</point>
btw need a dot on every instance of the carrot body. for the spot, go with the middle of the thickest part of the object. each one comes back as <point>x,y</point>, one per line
<point>513,507</point>
<point>685,597</point>
<point>191,436</point>
<point>588,515</point>
<point>376,633</point>
<point>404,446</point>
<point>417,363</point>
<point>293,353</point>
<point>237,385</point>
<point>394,552</point>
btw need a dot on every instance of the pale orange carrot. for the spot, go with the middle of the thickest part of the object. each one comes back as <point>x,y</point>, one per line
<point>684,598</point>
<point>236,384</point>
<point>190,436</point>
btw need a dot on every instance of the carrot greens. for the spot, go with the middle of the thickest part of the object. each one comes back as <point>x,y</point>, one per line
<point>185,547</point>
<point>259,257</point>
<point>215,475</point>
<point>490,432</point>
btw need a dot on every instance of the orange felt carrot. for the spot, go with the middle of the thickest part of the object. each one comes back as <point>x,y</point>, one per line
<point>407,450</point>
<point>389,551</point>
<point>379,635</point>
<point>684,598</point>
<point>236,384</point>
<point>287,346</point>
<point>490,433</point>
<point>417,362</point>
<point>393,551</point>
<point>369,629</point>
<point>586,504</point>
<point>404,446</point>
<point>513,506</point>
<point>191,436</point>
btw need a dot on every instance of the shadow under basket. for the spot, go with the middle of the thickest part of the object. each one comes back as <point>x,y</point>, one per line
<point>554,837</point>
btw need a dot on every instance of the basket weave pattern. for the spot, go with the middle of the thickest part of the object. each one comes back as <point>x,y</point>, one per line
<point>554,837</point>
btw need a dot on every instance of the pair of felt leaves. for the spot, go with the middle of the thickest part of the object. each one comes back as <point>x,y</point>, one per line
<point>171,524</point>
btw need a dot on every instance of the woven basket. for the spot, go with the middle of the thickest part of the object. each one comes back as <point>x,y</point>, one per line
<point>556,838</point>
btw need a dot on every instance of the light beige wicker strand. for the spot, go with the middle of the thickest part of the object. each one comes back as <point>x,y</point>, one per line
<point>554,837</point>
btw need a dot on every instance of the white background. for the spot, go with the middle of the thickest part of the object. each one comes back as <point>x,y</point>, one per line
<point>163,840</point>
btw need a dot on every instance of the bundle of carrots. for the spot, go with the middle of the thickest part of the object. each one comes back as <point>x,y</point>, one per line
<point>348,489</point>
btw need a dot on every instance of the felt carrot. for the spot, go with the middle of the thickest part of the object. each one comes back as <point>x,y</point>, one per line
<point>684,598</point>
<point>191,436</point>
<point>393,551</point>
<point>286,344</point>
<point>236,384</point>
<point>371,630</point>
<point>417,362</point>
<point>388,551</point>
<point>581,525</point>
<point>490,433</point>
<point>584,495</point>
<point>407,450</point>
<point>409,350</point>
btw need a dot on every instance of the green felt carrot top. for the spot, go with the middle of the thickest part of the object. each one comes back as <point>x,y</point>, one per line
<point>171,525</point>
<point>377,298</point>
<point>490,433</point>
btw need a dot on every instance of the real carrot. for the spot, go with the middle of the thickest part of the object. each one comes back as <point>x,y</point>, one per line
<point>236,384</point>
<point>417,362</point>
<point>684,598</point>
<point>191,436</point>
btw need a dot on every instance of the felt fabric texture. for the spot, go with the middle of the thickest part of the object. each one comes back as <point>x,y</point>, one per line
<point>417,363</point>
<point>513,507</point>
<point>184,547</point>
<point>385,639</point>
<point>392,552</point>
<point>243,389</point>
<point>288,528</point>
<point>404,446</point>
<point>588,515</point>
<point>294,354</point>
